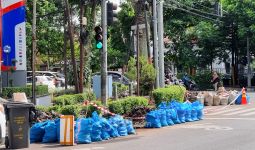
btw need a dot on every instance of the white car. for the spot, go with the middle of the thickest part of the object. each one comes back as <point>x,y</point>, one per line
<point>44,80</point>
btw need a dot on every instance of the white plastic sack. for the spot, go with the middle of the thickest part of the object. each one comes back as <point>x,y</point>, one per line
<point>216,100</point>
<point>208,99</point>
<point>232,96</point>
<point>224,100</point>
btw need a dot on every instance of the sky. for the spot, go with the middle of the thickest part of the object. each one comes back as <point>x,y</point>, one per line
<point>116,1</point>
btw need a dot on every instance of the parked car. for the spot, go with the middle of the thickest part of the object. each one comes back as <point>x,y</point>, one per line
<point>117,77</point>
<point>42,80</point>
<point>59,78</point>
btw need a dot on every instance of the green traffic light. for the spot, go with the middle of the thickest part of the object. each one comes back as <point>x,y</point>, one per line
<point>99,45</point>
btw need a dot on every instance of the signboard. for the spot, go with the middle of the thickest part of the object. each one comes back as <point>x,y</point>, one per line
<point>13,34</point>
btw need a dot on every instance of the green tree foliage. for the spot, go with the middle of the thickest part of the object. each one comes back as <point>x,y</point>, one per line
<point>49,34</point>
<point>147,74</point>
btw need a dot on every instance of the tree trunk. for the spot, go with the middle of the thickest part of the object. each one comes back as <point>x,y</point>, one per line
<point>87,51</point>
<point>65,57</point>
<point>71,37</point>
<point>81,48</point>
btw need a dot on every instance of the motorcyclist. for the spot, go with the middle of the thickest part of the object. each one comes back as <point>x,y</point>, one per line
<point>186,81</point>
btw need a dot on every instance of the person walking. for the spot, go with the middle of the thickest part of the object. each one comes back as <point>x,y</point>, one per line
<point>215,80</point>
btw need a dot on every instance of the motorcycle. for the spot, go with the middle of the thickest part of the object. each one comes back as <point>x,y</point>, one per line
<point>189,84</point>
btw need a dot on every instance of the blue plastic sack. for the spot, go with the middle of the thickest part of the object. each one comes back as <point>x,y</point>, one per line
<point>37,132</point>
<point>239,99</point>
<point>194,114</point>
<point>188,117</point>
<point>181,110</point>
<point>169,117</point>
<point>162,116</point>
<point>83,130</point>
<point>174,116</point>
<point>96,128</point>
<point>122,129</point>
<point>162,105</point>
<point>114,127</point>
<point>50,132</point>
<point>199,107</point>
<point>130,128</point>
<point>152,120</point>
<point>96,132</point>
<point>57,122</point>
<point>106,128</point>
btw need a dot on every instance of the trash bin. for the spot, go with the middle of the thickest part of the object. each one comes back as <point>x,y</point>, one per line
<point>18,124</point>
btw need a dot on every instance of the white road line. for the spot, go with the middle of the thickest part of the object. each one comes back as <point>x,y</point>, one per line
<point>249,119</point>
<point>248,114</point>
<point>224,111</point>
<point>240,112</point>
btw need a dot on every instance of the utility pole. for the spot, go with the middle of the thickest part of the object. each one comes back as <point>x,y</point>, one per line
<point>33,51</point>
<point>146,4</point>
<point>104,90</point>
<point>161,44</point>
<point>155,42</point>
<point>248,62</point>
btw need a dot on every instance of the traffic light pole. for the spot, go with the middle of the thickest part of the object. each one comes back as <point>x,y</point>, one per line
<point>104,91</point>
<point>248,62</point>
<point>155,42</point>
<point>161,44</point>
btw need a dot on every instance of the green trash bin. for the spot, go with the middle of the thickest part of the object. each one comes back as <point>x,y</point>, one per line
<point>18,124</point>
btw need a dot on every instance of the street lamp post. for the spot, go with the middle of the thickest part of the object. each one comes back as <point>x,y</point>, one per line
<point>7,50</point>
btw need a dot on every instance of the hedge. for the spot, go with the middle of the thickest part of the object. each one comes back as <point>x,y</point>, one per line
<point>40,90</point>
<point>73,99</point>
<point>169,93</point>
<point>126,105</point>
<point>76,110</point>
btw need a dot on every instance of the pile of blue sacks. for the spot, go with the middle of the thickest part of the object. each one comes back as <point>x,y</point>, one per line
<point>87,130</point>
<point>174,112</point>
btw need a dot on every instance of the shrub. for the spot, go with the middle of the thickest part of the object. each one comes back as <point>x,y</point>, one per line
<point>71,110</point>
<point>126,105</point>
<point>121,89</point>
<point>64,100</point>
<point>167,94</point>
<point>147,75</point>
<point>63,92</point>
<point>89,109</point>
<point>40,90</point>
<point>116,107</point>
<point>131,102</point>
<point>73,99</point>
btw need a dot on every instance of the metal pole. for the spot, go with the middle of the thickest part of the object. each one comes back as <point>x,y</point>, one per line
<point>161,44</point>
<point>147,32</point>
<point>155,42</point>
<point>248,62</point>
<point>104,90</point>
<point>33,50</point>
<point>137,51</point>
<point>7,59</point>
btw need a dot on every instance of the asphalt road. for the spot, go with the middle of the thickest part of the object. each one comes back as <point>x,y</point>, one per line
<point>230,128</point>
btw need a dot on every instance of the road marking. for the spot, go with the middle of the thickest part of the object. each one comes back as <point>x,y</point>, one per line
<point>223,111</point>
<point>239,112</point>
<point>97,148</point>
<point>247,114</point>
<point>206,126</point>
<point>248,119</point>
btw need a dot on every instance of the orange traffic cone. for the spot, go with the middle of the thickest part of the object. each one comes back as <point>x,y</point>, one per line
<point>244,100</point>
